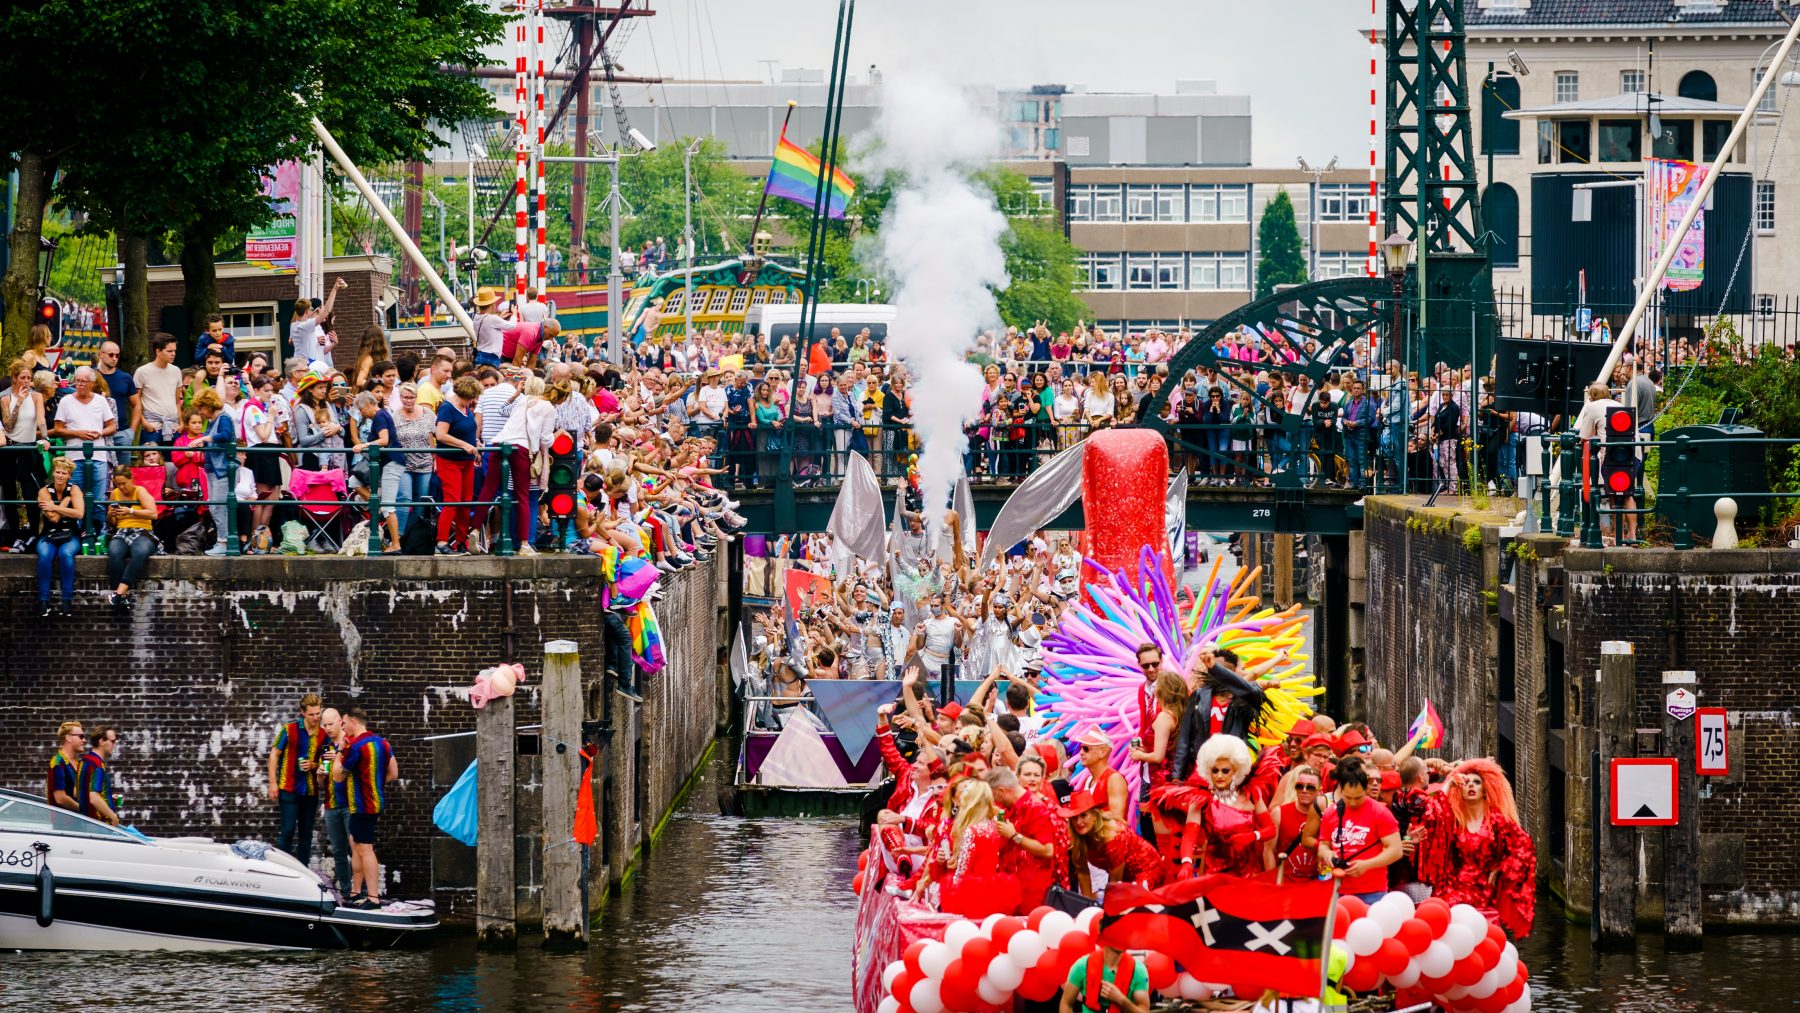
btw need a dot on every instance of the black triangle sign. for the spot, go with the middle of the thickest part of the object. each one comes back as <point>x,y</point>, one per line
<point>1645,812</point>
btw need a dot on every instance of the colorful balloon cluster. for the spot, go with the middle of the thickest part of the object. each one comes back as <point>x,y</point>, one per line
<point>1452,953</point>
<point>1091,670</point>
<point>978,968</point>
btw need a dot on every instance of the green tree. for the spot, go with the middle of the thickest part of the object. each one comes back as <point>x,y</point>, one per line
<point>724,199</point>
<point>1281,260</point>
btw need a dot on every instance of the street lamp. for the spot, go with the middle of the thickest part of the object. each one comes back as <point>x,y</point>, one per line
<point>1312,210</point>
<point>1396,254</point>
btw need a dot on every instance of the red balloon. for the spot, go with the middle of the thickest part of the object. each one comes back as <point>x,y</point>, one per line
<point>1041,982</point>
<point>1161,969</point>
<point>862,860</point>
<point>1467,971</point>
<point>1436,986</point>
<point>903,985</point>
<point>1005,929</point>
<point>1492,1004</point>
<point>1497,935</point>
<point>1036,918</point>
<point>1392,958</point>
<point>911,958</point>
<point>977,953</point>
<point>1487,954</point>
<point>1415,935</point>
<point>1435,914</point>
<point>1351,908</point>
<point>958,987</point>
<point>1513,990</point>
<point>1362,976</point>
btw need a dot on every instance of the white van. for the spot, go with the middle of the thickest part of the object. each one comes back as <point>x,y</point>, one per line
<point>779,321</point>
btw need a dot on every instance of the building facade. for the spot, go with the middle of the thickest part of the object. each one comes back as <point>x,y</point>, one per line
<point>1574,94</point>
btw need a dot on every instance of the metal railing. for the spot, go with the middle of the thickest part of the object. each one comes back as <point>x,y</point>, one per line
<point>377,458</point>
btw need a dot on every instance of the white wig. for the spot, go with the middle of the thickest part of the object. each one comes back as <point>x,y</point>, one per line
<point>1229,747</point>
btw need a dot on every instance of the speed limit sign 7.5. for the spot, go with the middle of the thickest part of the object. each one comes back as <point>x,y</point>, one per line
<point>1712,746</point>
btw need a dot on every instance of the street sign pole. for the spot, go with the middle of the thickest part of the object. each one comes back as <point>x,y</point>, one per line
<point>1681,843</point>
<point>1616,845</point>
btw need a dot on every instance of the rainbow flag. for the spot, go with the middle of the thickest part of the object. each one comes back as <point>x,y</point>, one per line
<point>1427,728</point>
<point>794,174</point>
<point>646,637</point>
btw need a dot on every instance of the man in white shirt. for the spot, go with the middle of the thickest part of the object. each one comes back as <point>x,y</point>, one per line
<point>159,386</point>
<point>307,333</point>
<point>536,310</point>
<point>1591,426</point>
<point>82,417</point>
<point>708,408</point>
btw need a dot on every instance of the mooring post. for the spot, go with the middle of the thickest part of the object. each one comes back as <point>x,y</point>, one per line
<point>565,913</point>
<point>496,902</point>
<point>1284,570</point>
<point>1681,843</point>
<point>1616,846</point>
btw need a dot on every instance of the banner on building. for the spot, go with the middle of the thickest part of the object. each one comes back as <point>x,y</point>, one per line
<point>1673,186</point>
<point>275,246</point>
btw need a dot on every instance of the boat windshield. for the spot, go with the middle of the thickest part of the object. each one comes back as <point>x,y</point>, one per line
<point>29,816</point>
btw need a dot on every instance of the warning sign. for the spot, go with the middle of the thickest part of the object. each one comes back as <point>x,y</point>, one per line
<point>1643,793</point>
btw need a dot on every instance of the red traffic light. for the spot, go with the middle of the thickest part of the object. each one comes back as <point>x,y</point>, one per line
<point>1620,420</point>
<point>562,504</point>
<point>47,310</point>
<point>562,444</point>
<point>1619,481</point>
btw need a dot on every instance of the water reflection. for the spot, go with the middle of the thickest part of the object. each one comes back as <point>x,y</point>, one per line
<point>755,916</point>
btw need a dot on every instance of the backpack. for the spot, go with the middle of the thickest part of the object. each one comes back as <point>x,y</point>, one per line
<point>420,536</point>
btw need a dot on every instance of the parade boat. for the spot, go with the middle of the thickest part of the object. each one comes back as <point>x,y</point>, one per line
<point>68,882</point>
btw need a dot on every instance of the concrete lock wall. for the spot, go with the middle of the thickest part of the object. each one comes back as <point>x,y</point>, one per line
<point>200,676</point>
<point>1502,632</point>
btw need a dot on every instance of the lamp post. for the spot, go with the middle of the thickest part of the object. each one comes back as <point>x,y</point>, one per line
<point>687,237</point>
<point>1312,212</point>
<point>1396,253</point>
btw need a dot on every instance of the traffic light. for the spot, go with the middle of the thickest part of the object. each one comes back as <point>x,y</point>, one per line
<point>50,314</point>
<point>1618,452</point>
<point>564,469</point>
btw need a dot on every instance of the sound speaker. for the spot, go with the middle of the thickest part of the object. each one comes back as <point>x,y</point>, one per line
<point>1547,377</point>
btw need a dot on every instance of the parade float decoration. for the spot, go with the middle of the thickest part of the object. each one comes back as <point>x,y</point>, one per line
<point>1428,953</point>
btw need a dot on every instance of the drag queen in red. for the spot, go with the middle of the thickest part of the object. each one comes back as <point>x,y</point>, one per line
<point>1224,825</point>
<point>1473,850</point>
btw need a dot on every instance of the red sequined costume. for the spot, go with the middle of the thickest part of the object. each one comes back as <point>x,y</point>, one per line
<point>1037,819</point>
<point>1493,867</point>
<point>920,811</point>
<point>1128,858</point>
<point>1230,838</point>
<point>976,885</point>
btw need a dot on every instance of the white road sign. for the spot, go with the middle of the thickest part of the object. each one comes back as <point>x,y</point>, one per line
<point>1643,793</point>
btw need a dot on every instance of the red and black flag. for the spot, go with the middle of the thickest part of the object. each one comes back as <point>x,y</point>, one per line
<point>1250,934</point>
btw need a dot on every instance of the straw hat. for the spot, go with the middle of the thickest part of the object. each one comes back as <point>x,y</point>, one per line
<point>486,296</point>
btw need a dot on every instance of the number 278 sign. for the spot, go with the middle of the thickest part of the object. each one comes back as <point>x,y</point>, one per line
<point>1712,746</point>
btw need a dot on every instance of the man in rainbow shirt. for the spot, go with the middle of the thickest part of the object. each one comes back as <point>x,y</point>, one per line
<point>62,781</point>
<point>366,764</point>
<point>292,760</point>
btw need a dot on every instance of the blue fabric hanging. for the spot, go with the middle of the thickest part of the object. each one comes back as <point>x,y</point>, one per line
<point>456,811</point>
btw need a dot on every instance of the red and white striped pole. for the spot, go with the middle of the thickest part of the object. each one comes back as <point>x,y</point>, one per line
<point>521,150</point>
<point>1373,264</point>
<point>539,261</point>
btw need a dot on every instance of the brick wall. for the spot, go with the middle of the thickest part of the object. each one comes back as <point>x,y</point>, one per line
<point>1429,622</point>
<point>356,307</point>
<point>1531,681</point>
<point>1734,616</point>
<point>199,677</point>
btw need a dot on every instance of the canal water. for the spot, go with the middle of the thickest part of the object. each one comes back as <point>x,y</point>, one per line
<point>755,916</point>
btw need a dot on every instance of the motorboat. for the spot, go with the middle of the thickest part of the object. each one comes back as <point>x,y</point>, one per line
<point>68,882</point>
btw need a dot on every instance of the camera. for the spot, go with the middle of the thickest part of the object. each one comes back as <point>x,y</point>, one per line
<point>1339,863</point>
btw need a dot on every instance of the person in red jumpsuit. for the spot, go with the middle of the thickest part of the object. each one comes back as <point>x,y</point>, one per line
<point>1037,852</point>
<point>1101,841</point>
<point>1472,850</point>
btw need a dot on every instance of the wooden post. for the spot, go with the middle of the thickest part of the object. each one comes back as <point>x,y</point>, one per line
<point>565,916</point>
<point>1616,849</point>
<point>1284,570</point>
<point>1681,843</point>
<point>496,906</point>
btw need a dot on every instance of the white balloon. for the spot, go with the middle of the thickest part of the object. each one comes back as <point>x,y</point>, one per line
<point>991,993</point>
<point>1055,925</point>
<point>987,924</point>
<point>933,959</point>
<point>1086,920</point>
<point>1392,911</point>
<point>1459,940</point>
<point>958,935</point>
<point>1455,992</point>
<point>1191,987</point>
<point>1025,947</point>
<point>889,1004</point>
<point>1471,919</point>
<point>1364,936</point>
<point>1407,978</point>
<point>1485,987</point>
<point>1522,1004</point>
<point>1508,965</point>
<point>1005,972</point>
<point>1436,961</point>
<point>925,998</point>
<point>888,975</point>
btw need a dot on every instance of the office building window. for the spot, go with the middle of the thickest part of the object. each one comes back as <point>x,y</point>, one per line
<point>1619,140</point>
<point>1043,192</point>
<point>1171,202</point>
<point>253,328</point>
<point>1568,86</point>
<point>1140,271</point>
<point>1767,105</point>
<point>1675,141</point>
<point>1765,205</point>
<point>1140,202</point>
<point>1210,202</point>
<point>1698,84</point>
<point>1499,134</point>
<point>1340,264</point>
<point>1103,273</point>
<point>1171,272</point>
<point>1631,82</point>
<point>1765,307</point>
<point>1218,272</point>
<point>1344,202</point>
<point>1713,134</point>
<point>1109,203</point>
<point>1572,138</point>
<point>1079,206</point>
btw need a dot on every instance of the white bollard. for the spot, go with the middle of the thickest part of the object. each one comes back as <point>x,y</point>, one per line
<point>1725,536</point>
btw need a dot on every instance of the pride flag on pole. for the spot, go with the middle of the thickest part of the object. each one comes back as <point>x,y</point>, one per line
<point>1427,728</point>
<point>794,175</point>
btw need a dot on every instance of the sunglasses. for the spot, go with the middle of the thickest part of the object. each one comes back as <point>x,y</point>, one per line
<point>1306,787</point>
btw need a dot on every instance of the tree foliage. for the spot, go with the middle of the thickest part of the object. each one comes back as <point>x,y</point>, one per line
<point>1281,260</point>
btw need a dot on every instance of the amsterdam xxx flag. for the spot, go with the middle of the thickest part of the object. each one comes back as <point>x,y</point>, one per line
<point>1250,934</point>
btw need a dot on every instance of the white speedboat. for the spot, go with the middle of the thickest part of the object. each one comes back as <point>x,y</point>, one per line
<point>68,882</point>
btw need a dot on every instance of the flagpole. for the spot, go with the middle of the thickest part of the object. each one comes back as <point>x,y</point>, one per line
<point>1325,954</point>
<point>762,205</point>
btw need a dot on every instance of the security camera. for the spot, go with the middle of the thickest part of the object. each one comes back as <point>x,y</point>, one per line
<point>1518,63</point>
<point>637,137</point>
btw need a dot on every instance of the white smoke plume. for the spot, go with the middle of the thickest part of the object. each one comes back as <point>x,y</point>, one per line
<point>939,242</point>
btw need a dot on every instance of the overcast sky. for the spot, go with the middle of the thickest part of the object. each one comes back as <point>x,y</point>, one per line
<point>1301,61</point>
